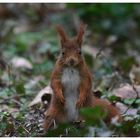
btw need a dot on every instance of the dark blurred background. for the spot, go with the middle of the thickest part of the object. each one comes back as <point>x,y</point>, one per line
<point>28,31</point>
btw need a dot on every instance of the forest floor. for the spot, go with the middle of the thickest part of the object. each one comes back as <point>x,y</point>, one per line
<point>29,46</point>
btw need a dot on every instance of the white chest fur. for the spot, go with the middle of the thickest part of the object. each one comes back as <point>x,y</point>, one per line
<point>71,81</point>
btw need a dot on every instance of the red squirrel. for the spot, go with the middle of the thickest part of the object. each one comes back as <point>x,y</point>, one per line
<point>71,82</point>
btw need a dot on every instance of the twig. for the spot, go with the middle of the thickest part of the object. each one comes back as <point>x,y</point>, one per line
<point>25,129</point>
<point>99,52</point>
<point>20,124</point>
<point>17,102</point>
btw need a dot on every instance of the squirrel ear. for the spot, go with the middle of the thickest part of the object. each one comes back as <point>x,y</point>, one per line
<point>61,33</point>
<point>81,32</point>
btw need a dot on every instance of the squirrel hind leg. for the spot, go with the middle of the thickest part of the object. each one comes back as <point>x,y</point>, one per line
<point>48,122</point>
<point>52,117</point>
<point>49,118</point>
<point>107,106</point>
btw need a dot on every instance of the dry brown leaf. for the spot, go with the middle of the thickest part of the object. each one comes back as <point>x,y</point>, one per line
<point>90,50</point>
<point>8,109</point>
<point>122,108</point>
<point>20,62</point>
<point>22,27</point>
<point>37,99</point>
<point>111,39</point>
<point>126,91</point>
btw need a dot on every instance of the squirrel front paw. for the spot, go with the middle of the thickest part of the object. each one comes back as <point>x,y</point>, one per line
<point>61,97</point>
<point>80,103</point>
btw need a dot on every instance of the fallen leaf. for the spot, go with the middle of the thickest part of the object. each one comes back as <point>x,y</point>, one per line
<point>126,91</point>
<point>20,62</point>
<point>122,108</point>
<point>37,99</point>
<point>8,109</point>
<point>111,39</point>
<point>90,50</point>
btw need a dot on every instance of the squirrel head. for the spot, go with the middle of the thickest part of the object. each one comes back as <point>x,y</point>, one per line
<point>71,47</point>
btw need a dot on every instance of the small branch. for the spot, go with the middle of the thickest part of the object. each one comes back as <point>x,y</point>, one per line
<point>25,129</point>
<point>99,52</point>
<point>20,124</point>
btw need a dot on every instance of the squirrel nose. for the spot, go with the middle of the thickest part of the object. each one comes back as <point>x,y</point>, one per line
<point>71,62</point>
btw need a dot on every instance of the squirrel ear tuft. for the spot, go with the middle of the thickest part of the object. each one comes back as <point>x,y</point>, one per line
<point>61,33</point>
<point>81,32</point>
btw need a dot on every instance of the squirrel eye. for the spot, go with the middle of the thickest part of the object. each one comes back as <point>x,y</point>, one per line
<point>80,52</point>
<point>63,53</point>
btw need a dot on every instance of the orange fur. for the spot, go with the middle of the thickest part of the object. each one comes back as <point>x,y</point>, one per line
<point>71,48</point>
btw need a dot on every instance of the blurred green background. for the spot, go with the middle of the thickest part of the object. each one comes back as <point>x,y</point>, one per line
<point>28,30</point>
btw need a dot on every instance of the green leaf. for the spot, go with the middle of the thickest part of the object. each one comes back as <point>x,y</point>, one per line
<point>129,101</point>
<point>126,63</point>
<point>137,101</point>
<point>89,60</point>
<point>3,126</point>
<point>20,117</point>
<point>113,98</point>
<point>20,88</point>
<point>93,115</point>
